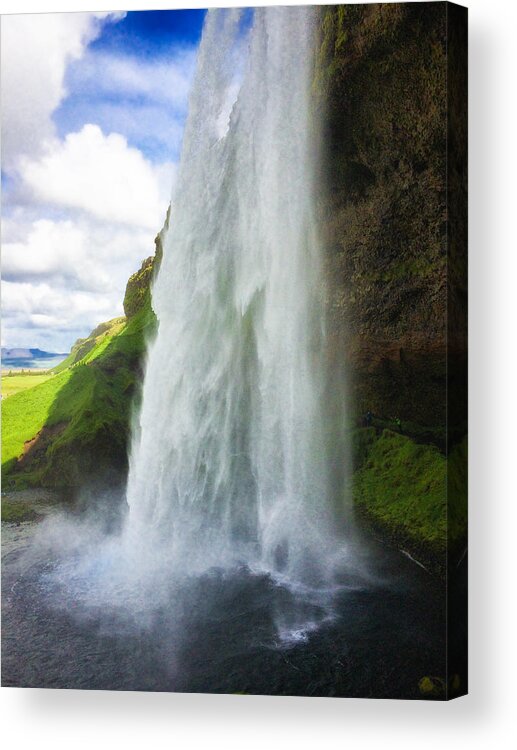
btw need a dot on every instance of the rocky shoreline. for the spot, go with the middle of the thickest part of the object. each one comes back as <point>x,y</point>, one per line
<point>29,505</point>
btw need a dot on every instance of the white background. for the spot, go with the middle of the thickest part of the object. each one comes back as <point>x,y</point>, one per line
<point>486,718</point>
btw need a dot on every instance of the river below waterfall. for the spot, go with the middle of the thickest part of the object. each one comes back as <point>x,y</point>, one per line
<point>231,632</point>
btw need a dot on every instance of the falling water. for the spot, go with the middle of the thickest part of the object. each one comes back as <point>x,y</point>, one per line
<point>228,462</point>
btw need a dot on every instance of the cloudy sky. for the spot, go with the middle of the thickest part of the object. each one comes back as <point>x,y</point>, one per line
<point>93,109</point>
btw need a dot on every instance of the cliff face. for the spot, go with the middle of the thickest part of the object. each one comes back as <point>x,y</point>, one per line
<point>390,86</point>
<point>381,83</point>
<point>138,289</point>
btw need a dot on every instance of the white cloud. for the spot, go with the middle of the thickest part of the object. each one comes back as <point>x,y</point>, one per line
<point>66,274</point>
<point>39,314</point>
<point>164,81</point>
<point>99,174</point>
<point>80,212</point>
<point>36,49</point>
<point>69,276</point>
<point>57,250</point>
<point>40,301</point>
<point>145,99</point>
<point>153,128</point>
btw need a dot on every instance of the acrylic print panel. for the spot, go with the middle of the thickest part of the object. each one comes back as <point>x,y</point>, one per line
<point>234,309</point>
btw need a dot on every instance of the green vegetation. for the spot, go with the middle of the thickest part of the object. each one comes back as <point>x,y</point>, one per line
<point>78,421</point>
<point>411,492</point>
<point>15,512</point>
<point>380,84</point>
<point>457,492</point>
<point>72,428</point>
<point>20,381</point>
<point>24,414</point>
<point>90,347</point>
<point>29,505</point>
<point>138,290</point>
<point>403,486</point>
<point>38,406</point>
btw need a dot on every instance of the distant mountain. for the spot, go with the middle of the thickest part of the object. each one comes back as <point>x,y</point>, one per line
<point>28,354</point>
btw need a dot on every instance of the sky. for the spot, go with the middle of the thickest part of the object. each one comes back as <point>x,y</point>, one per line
<point>93,111</point>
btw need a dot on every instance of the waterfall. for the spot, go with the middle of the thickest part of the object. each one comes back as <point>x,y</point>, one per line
<point>228,464</point>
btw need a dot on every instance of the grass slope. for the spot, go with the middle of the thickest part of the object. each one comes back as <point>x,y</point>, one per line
<point>93,345</point>
<point>23,416</point>
<point>73,429</point>
<point>78,420</point>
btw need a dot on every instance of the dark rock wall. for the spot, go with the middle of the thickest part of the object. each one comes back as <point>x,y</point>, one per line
<point>380,82</point>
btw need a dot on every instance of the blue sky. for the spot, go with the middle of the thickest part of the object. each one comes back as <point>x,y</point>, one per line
<point>150,39</point>
<point>94,106</point>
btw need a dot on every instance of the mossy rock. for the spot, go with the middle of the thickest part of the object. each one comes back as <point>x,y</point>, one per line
<point>138,289</point>
<point>413,495</point>
<point>16,513</point>
<point>436,688</point>
<point>432,687</point>
<point>81,418</point>
<point>139,285</point>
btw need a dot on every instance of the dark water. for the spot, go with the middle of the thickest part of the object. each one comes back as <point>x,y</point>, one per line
<point>223,634</point>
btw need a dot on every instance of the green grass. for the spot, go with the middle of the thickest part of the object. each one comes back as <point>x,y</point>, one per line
<point>89,403</point>
<point>12,384</point>
<point>36,403</point>
<point>412,491</point>
<point>92,346</point>
<point>24,414</point>
<point>402,487</point>
<point>457,486</point>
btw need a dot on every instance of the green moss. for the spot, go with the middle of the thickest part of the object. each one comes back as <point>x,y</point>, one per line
<point>13,512</point>
<point>401,486</point>
<point>457,491</point>
<point>97,405</point>
<point>138,291</point>
<point>412,492</point>
<point>361,441</point>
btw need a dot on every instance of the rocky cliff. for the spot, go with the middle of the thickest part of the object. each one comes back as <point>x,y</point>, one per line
<point>390,86</point>
<point>381,82</point>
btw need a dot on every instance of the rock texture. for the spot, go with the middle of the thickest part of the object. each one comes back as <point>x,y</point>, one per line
<point>381,82</point>
<point>138,289</point>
